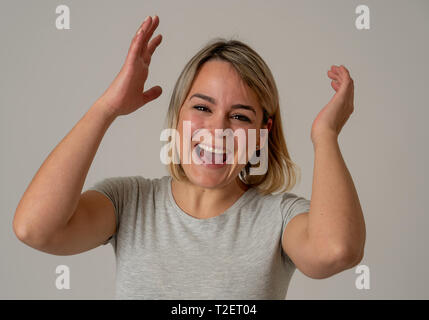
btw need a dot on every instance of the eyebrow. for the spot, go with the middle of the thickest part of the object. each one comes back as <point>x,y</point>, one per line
<point>213,101</point>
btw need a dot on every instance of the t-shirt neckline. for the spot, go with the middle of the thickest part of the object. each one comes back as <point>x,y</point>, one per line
<point>214,219</point>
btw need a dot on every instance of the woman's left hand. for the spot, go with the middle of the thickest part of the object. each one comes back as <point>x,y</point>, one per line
<point>334,115</point>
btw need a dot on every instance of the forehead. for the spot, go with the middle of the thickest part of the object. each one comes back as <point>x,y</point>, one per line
<point>220,80</point>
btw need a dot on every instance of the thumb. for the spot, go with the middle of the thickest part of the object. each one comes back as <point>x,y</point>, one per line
<point>151,94</point>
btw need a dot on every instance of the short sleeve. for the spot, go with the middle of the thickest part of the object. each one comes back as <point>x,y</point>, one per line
<point>117,190</point>
<point>291,206</point>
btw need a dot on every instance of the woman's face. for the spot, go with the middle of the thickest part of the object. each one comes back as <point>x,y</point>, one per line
<point>212,104</point>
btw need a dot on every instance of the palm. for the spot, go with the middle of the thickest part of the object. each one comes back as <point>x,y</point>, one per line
<point>334,115</point>
<point>128,87</point>
<point>126,93</point>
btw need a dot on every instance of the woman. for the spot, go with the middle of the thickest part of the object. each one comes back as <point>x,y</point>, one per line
<point>204,231</point>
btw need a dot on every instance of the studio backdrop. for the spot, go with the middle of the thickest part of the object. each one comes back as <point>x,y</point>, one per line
<point>58,57</point>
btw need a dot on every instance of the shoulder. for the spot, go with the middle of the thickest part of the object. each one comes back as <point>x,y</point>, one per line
<point>257,201</point>
<point>283,199</point>
<point>129,184</point>
<point>156,184</point>
<point>285,202</point>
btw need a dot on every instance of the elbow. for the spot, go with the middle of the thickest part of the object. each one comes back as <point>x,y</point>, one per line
<point>26,235</point>
<point>348,257</point>
<point>343,258</point>
<point>20,231</point>
<point>337,260</point>
<point>357,258</point>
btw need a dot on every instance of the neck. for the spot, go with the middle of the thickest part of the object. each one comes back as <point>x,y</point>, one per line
<point>203,203</point>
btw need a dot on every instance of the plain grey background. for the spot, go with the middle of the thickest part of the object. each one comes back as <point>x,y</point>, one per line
<point>49,79</point>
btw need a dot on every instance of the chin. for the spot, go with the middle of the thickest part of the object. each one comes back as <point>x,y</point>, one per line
<point>210,177</point>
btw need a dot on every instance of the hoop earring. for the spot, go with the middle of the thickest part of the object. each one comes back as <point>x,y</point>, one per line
<point>244,173</point>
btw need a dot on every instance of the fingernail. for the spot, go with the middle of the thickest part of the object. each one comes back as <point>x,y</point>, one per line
<point>146,19</point>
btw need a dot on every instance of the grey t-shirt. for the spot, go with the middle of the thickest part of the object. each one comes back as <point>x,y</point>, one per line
<point>164,253</point>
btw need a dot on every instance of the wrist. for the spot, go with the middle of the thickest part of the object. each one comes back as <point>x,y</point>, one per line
<point>323,138</point>
<point>104,110</point>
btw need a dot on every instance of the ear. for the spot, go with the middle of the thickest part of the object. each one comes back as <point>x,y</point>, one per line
<point>263,137</point>
<point>269,124</point>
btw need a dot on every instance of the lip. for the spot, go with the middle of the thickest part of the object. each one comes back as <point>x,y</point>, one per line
<point>209,165</point>
<point>211,147</point>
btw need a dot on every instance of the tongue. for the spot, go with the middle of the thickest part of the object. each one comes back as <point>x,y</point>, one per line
<point>213,158</point>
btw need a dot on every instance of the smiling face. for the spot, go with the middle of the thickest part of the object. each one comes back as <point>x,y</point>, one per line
<point>218,99</point>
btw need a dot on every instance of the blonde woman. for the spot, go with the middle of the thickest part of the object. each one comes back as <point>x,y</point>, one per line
<point>205,231</point>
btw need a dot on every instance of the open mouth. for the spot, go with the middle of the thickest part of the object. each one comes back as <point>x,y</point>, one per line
<point>209,155</point>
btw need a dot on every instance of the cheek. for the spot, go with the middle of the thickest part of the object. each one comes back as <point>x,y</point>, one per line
<point>195,120</point>
<point>187,126</point>
<point>196,123</point>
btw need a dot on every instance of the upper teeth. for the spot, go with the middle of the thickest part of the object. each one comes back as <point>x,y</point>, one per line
<point>210,149</point>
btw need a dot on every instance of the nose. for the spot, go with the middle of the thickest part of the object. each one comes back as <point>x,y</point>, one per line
<point>216,125</point>
<point>217,121</point>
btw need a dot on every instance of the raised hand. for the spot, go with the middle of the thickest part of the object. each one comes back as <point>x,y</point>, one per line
<point>334,115</point>
<point>126,93</point>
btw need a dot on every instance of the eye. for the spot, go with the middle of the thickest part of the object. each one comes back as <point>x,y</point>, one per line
<point>241,117</point>
<point>201,108</point>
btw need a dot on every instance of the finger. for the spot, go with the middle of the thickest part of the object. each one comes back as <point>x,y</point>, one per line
<point>335,85</point>
<point>136,43</point>
<point>333,75</point>
<point>145,29</point>
<point>344,73</point>
<point>149,32</point>
<point>151,94</point>
<point>153,44</point>
<point>144,25</point>
<point>335,69</point>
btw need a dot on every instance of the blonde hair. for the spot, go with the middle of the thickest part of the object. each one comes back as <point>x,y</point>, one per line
<point>282,173</point>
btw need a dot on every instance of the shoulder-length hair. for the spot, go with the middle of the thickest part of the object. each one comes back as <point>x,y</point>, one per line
<point>282,173</point>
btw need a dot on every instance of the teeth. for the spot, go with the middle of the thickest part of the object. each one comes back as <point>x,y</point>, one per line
<point>210,149</point>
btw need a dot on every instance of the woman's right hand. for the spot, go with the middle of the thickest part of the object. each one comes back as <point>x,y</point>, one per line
<point>126,93</point>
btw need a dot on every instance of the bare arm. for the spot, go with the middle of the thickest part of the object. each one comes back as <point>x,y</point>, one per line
<point>53,194</point>
<point>336,218</point>
<point>52,215</point>
<point>331,237</point>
